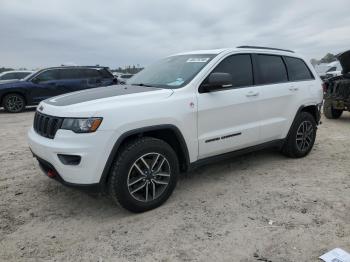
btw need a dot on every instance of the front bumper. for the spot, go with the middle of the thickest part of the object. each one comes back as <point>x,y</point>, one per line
<point>49,170</point>
<point>93,148</point>
<point>318,113</point>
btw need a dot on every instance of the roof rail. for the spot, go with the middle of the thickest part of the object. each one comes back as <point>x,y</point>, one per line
<point>78,66</point>
<point>263,47</point>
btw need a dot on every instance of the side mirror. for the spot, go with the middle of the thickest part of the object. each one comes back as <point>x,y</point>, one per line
<point>216,81</point>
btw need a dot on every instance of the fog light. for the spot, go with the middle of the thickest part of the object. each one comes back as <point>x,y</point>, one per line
<point>71,160</point>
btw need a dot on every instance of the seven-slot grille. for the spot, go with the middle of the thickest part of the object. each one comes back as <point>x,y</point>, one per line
<point>45,125</point>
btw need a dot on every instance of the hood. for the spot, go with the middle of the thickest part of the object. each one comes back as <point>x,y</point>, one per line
<point>344,59</point>
<point>97,94</point>
<point>87,102</point>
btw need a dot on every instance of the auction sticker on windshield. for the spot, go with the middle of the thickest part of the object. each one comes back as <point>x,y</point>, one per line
<point>198,60</point>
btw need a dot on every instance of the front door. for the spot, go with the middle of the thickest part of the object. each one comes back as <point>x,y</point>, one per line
<point>44,85</point>
<point>229,119</point>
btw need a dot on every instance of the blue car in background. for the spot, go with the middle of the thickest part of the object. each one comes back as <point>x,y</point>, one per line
<point>16,95</point>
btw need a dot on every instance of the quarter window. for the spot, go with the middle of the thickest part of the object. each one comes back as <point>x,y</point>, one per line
<point>272,69</point>
<point>91,73</point>
<point>297,69</point>
<point>240,67</point>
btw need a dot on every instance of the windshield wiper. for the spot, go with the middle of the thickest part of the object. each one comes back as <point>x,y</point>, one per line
<point>142,84</point>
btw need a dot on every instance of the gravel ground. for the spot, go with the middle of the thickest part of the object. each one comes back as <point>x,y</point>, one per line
<point>258,207</point>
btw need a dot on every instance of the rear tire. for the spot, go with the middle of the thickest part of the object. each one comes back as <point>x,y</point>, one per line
<point>14,103</point>
<point>329,112</point>
<point>301,137</point>
<point>144,174</point>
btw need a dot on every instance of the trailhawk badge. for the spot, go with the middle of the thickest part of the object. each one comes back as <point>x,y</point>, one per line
<point>41,108</point>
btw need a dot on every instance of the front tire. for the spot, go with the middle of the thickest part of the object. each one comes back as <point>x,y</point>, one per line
<point>301,137</point>
<point>330,112</point>
<point>14,103</point>
<point>144,174</point>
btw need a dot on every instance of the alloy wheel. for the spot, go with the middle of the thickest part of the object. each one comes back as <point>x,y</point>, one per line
<point>305,136</point>
<point>14,103</point>
<point>148,177</point>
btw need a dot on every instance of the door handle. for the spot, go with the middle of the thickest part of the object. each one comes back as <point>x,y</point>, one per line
<point>252,93</point>
<point>292,88</point>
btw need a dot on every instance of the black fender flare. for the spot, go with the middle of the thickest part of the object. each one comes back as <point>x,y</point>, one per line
<point>142,130</point>
<point>300,109</point>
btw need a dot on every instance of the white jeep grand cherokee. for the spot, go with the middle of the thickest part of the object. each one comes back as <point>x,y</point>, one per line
<point>132,141</point>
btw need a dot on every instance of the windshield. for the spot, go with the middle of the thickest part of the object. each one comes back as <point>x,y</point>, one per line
<point>29,76</point>
<point>171,72</point>
<point>333,68</point>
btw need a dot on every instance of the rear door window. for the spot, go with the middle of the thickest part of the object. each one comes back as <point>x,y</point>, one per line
<point>69,74</point>
<point>272,69</point>
<point>297,69</point>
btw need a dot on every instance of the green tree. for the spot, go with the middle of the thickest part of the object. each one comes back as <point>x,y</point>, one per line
<point>4,69</point>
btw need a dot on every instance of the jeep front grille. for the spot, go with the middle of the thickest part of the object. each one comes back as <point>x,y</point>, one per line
<point>45,125</point>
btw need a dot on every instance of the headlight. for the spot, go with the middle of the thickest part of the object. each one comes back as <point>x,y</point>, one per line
<point>82,125</point>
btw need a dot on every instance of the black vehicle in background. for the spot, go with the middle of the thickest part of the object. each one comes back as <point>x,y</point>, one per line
<point>16,95</point>
<point>337,90</point>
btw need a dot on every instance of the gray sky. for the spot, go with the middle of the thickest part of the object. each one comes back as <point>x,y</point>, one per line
<point>39,33</point>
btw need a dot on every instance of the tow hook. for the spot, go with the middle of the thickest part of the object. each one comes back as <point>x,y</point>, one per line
<point>51,173</point>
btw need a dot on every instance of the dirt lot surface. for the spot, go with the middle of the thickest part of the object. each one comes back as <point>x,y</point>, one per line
<point>258,207</point>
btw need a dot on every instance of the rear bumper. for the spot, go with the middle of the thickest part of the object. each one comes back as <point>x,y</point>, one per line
<point>318,113</point>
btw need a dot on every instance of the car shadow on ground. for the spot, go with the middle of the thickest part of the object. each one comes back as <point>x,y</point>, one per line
<point>344,118</point>
<point>27,109</point>
<point>79,203</point>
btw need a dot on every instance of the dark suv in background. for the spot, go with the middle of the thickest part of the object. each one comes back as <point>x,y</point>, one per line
<point>49,82</point>
<point>337,90</point>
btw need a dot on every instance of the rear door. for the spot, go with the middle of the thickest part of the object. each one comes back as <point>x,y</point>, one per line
<point>301,83</point>
<point>71,79</point>
<point>280,98</point>
<point>229,119</point>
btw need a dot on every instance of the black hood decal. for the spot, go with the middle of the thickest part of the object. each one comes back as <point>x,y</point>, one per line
<point>97,93</point>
